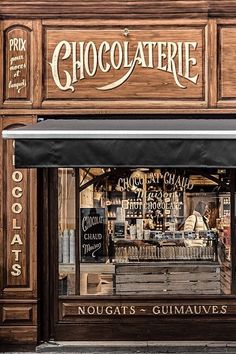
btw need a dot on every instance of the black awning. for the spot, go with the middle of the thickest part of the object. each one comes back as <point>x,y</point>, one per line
<point>125,143</point>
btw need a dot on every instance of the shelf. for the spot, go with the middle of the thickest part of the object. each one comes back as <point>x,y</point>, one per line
<point>66,268</point>
<point>113,205</point>
<point>97,268</point>
<point>127,217</point>
<point>88,268</point>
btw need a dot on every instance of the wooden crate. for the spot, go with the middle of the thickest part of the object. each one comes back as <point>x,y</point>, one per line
<point>171,278</point>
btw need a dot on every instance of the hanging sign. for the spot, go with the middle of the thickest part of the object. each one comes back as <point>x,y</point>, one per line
<point>92,234</point>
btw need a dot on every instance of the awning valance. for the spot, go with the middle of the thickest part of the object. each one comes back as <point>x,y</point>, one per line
<point>124,143</point>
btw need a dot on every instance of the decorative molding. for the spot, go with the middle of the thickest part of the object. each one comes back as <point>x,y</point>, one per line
<point>15,314</point>
<point>117,9</point>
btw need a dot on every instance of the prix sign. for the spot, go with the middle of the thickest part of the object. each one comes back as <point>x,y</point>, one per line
<point>17,75</point>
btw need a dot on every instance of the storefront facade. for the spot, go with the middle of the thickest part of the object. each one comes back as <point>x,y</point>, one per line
<point>117,199</point>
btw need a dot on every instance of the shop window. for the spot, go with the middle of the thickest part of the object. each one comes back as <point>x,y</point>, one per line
<point>146,231</point>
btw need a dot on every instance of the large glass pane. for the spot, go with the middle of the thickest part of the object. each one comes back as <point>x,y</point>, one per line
<point>155,231</point>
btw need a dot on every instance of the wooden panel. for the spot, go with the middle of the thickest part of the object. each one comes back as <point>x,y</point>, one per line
<point>20,60</point>
<point>131,67</point>
<point>226,65</point>
<point>94,308</point>
<point>1,63</point>
<point>17,43</point>
<point>17,49</point>
<point>115,8</point>
<point>37,63</point>
<point>159,330</point>
<point>19,222</point>
<point>1,212</point>
<point>18,334</point>
<point>162,318</point>
<point>92,8</point>
<point>118,109</point>
<point>14,314</point>
<point>212,69</point>
<point>167,268</point>
<point>108,310</point>
<point>222,7</point>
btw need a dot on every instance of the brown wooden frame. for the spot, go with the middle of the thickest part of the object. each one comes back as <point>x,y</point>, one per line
<point>32,309</point>
<point>145,9</point>
<point>126,328</point>
<point>48,266</point>
<point>18,303</point>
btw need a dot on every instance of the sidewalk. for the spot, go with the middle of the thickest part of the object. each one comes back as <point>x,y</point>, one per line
<point>139,347</point>
<point>130,347</point>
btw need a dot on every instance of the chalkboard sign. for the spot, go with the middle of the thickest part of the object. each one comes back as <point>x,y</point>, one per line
<point>119,230</point>
<point>93,235</point>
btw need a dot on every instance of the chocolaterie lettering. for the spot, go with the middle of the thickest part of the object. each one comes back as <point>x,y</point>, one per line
<point>157,310</point>
<point>90,221</point>
<point>87,58</point>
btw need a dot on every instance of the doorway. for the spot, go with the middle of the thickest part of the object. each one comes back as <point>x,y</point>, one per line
<point>115,294</point>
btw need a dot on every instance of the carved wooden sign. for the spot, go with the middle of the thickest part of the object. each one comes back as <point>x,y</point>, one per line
<point>155,309</point>
<point>17,48</point>
<point>153,63</point>
<point>17,231</point>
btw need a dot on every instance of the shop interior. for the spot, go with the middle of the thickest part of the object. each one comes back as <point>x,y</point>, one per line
<point>144,231</point>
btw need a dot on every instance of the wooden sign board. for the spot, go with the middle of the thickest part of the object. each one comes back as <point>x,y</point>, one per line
<point>127,308</point>
<point>226,65</point>
<point>19,219</point>
<point>17,234</point>
<point>141,63</point>
<point>17,64</point>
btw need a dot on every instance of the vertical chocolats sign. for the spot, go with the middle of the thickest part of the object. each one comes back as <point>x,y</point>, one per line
<point>17,64</point>
<point>92,234</point>
<point>16,209</point>
<point>16,212</point>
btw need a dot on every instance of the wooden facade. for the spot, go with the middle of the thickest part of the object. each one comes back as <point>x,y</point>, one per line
<point>164,79</point>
